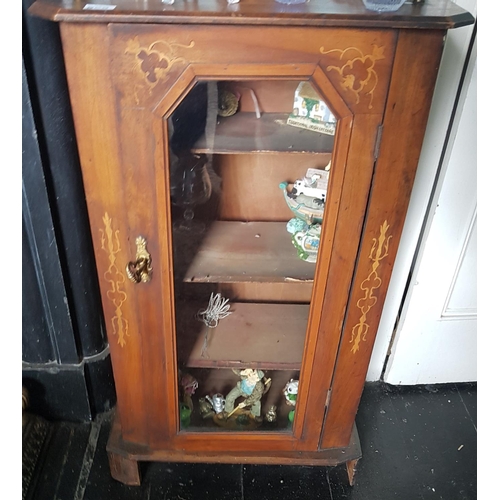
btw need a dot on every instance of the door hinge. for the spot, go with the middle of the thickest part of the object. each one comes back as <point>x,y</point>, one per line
<point>378,140</point>
<point>328,396</point>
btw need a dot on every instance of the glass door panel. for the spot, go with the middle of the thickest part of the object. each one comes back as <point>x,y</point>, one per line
<point>249,165</point>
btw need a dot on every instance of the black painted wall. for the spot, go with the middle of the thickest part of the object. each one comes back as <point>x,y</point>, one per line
<point>65,358</point>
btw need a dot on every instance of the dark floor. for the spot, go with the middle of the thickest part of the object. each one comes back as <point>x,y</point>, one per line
<point>418,442</point>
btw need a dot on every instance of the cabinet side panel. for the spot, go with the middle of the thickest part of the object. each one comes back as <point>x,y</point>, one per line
<point>93,103</point>
<point>407,110</point>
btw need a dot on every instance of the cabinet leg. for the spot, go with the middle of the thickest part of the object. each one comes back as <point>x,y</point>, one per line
<point>124,469</point>
<point>351,470</point>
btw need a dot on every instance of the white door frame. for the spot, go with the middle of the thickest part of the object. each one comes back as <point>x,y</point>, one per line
<point>455,54</point>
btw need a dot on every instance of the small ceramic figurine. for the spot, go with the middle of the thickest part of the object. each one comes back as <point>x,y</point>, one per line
<point>228,103</point>
<point>308,209</point>
<point>271,414</point>
<point>251,388</point>
<point>314,184</point>
<point>185,415</point>
<point>188,385</point>
<point>306,197</point>
<point>290,392</point>
<point>206,409</point>
<point>307,243</point>
<point>295,225</point>
<point>218,402</point>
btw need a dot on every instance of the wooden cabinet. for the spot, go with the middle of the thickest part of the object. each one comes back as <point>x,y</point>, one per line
<point>187,204</point>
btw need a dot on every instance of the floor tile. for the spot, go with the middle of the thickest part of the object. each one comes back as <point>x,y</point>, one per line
<point>432,447</point>
<point>193,481</point>
<point>63,461</point>
<point>468,393</point>
<point>279,482</point>
<point>100,485</point>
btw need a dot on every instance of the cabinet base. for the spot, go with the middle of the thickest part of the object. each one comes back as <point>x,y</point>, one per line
<point>124,457</point>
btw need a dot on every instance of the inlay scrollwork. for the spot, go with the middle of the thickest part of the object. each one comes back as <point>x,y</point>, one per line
<point>110,243</point>
<point>156,60</point>
<point>378,252</point>
<point>356,70</point>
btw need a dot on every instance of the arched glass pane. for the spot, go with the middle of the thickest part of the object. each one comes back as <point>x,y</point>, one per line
<point>249,166</point>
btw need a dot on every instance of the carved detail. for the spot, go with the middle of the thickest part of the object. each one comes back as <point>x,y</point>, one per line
<point>356,70</point>
<point>378,252</point>
<point>110,243</point>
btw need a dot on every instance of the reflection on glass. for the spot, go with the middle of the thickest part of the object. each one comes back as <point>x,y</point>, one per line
<point>190,186</point>
<point>249,165</point>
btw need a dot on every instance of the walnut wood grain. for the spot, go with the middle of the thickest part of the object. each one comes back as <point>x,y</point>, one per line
<point>435,14</point>
<point>289,292</point>
<point>100,162</point>
<point>261,336</point>
<point>248,252</point>
<point>157,65</point>
<point>132,452</point>
<point>124,469</point>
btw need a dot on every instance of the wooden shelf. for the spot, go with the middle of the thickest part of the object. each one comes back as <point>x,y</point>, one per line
<point>248,252</point>
<point>245,133</point>
<point>264,336</point>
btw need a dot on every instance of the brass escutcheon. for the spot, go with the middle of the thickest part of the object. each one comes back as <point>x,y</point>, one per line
<point>140,270</point>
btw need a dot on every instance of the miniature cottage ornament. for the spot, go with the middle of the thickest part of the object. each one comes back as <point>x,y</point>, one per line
<point>310,112</point>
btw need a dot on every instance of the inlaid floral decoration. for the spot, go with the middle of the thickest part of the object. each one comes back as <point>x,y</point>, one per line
<point>156,59</point>
<point>356,69</point>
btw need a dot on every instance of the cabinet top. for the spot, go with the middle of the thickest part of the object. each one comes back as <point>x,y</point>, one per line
<point>431,14</point>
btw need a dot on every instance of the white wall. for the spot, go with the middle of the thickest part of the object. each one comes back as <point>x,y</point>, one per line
<point>436,341</point>
<point>447,86</point>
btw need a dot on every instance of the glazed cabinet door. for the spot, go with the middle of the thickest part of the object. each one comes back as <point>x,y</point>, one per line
<point>227,172</point>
